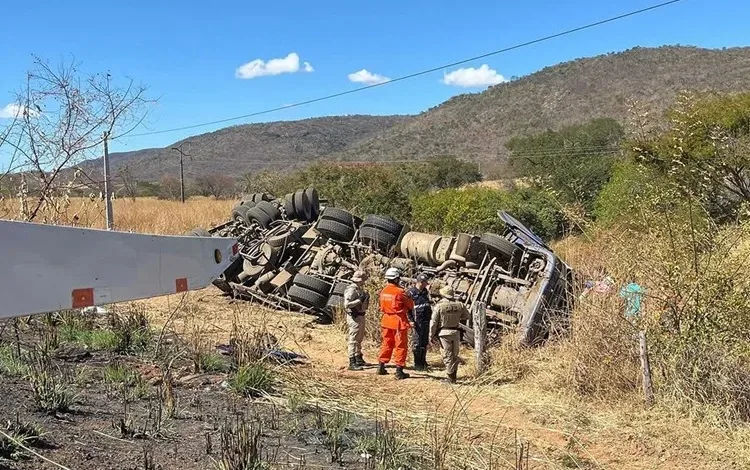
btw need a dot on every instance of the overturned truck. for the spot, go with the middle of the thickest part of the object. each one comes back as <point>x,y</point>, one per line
<point>299,254</point>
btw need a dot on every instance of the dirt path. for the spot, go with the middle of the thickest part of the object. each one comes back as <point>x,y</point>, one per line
<point>562,431</point>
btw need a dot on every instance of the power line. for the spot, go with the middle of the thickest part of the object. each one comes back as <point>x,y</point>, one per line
<point>415,74</point>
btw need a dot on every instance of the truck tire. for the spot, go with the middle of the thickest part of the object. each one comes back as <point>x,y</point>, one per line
<point>239,214</point>
<point>281,240</point>
<point>380,237</point>
<point>383,223</point>
<point>252,199</point>
<point>255,214</point>
<point>338,215</point>
<point>334,230</point>
<point>307,297</point>
<point>335,302</point>
<point>498,244</point>
<point>289,207</point>
<point>302,206</point>
<point>312,283</point>
<point>314,199</point>
<point>199,232</point>
<point>271,210</point>
<point>339,288</point>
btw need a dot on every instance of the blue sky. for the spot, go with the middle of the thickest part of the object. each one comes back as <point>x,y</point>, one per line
<point>188,52</point>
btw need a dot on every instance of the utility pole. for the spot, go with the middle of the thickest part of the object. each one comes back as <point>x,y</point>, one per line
<point>182,173</point>
<point>107,186</point>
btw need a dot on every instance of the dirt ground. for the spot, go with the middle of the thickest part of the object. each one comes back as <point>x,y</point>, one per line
<point>484,422</point>
<point>103,431</point>
<point>561,431</point>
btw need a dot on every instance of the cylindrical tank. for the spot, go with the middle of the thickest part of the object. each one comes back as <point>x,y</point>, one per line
<point>420,246</point>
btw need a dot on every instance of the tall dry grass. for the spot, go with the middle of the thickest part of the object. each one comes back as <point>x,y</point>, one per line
<point>144,215</point>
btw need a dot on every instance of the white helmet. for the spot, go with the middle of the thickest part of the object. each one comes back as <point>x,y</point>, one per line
<point>392,273</point>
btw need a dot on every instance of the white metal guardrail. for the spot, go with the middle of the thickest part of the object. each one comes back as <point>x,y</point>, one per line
<point>45,268</point>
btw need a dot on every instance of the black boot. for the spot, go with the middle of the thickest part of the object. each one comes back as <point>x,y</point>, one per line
<point>353,364</point>
<point>381,369</point>
<point>451,378</point>
<point>420,362</point>
<point>400,374</point>
<point>360,360</point>
<point>423,358</point>
<point>417,361</point>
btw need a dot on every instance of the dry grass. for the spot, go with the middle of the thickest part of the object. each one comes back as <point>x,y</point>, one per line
<point>144,215</point>
<point>574,404</point>
<point>526,398</point>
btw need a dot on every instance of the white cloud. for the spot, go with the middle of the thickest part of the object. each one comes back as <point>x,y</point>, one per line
<point>368,78</point>
<point>260,68</point>
<point>13,110</point>
<point>472,77</point>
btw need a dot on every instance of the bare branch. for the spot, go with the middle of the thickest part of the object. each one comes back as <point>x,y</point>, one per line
<point>66,115</point>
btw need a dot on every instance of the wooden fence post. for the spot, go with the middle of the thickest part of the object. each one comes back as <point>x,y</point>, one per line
<point>648,388</point>
<point>479,314</point>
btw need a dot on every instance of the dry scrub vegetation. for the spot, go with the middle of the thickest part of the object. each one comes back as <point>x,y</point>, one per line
<point>672,217</point>
<point>573,404</point>
<point>144,215</point>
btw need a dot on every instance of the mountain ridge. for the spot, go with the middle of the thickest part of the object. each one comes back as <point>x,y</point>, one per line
<point>472,126</point>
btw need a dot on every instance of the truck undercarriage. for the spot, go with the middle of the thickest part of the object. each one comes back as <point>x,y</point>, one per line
<point>298,254</point>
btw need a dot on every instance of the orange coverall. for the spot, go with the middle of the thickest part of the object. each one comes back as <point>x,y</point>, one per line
<point>394,304</point>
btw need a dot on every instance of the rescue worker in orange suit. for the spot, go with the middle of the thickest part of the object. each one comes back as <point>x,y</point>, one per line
<point>395,306</point>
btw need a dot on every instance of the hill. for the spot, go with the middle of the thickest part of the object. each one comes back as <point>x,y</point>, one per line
<point>474,126</point>
<point>477,126</point>
<point>237,150</point>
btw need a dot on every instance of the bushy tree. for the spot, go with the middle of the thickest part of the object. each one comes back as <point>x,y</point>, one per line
<point>574,162</point>
<point>679,179</point>
<point>705,153</point>
<point>475,210</point>
<point>369,188</point>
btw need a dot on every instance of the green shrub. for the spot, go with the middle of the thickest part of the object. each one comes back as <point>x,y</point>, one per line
<point>131,329</point>
<point>254,380</point>
<point>624,196</point>
<point>453,210</point>
<point>575,161</point>
<point>95,339</point>
<point>211,362</point>
<point>20,434</point>
<point>474,210</point>
<point>129,380</point>
<point>10,363</point>
<point>377,188</point>
<point>50,387</point>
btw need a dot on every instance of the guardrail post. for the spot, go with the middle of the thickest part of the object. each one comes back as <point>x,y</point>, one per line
<point>479,314</point>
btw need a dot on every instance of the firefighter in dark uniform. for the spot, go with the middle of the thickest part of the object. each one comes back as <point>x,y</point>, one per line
<point>419,317</point>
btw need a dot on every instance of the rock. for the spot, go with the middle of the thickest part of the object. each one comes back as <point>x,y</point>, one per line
<point>195,380</point>
<point>72,353</point>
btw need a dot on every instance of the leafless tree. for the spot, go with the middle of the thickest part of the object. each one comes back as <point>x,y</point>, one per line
<point>214,184</point>
<point>169,188</point>
<point>128,181</point>
<point>64,117</point>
